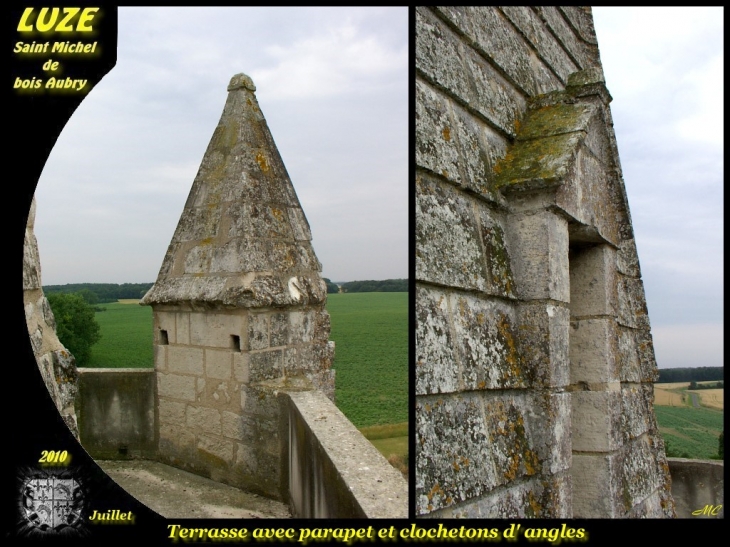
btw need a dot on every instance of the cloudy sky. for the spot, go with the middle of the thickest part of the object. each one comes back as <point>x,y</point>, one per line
<point>664,69</point>
<point>333,86</point>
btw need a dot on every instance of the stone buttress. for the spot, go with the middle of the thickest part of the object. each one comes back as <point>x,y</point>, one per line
<point>239,309</point>
<point>534,357</point>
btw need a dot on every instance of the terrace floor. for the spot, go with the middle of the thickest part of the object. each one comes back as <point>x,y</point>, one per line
<point>174,493</point>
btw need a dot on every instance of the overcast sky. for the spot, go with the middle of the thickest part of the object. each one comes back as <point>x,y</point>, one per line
<point>333,86</point>
<point>664,69</point>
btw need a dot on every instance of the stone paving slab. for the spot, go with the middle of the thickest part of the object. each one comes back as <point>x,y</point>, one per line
<point>174,493</point>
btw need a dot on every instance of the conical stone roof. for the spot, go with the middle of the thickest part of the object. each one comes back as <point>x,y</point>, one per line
<point>242,239</point>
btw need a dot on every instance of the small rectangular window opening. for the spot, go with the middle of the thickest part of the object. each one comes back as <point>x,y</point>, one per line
<point>163,338</point>
<point>235,342</point>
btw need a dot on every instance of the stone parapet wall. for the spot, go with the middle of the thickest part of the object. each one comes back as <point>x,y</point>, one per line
<point>334,471</point>
<point>116,409</point>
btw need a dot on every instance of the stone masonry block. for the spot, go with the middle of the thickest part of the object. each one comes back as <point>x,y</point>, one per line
<point>453,453</point>
<point>301,327</point>
<point>220,449</point>
<point>171,412</point>
<point>186,360</point>
<point>639,473</point>
<point>628,356</point>
<point>436,147</point>
<point>628,259</point>
<point>503,44</point>
<point>593,349</point>
<point>218,363</point>
<point>632,311</point>
<point>258,331</point>
<point>637,407</point>
<point>473,153</point>
<point>176,441</point>
<point>596,421</point>
<point>165,321</point>
<point>596,482</point>
<point>266,365</point>
<point>540,268</point>
<point>235,426</point>
<point>203,419</point>
<point>548,47</point>
<point>182,328</point>
<point>536,498</point>
<point>160,357</point>
<point>572,43</point>
<point>176,386</point>
<point>215,329</point>
<point>543,333</point>
<point>436,367</point>
<point>279,333</point>
<point>439,54</point>
<point>499,269</point>
<point>593,281</point>
<point>547,423</point>
<point>448,246</point>
<point>495,98</point>
<point>241,367</point>
<point>647,361</point>
<point>486,338</point>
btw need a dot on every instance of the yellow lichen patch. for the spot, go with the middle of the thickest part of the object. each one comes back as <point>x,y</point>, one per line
<point>480,318</point>
<point>261,160</point>
<point>436,490</point>
<point>278,213</point>
<point>534,505</point>
<point>446,133</point>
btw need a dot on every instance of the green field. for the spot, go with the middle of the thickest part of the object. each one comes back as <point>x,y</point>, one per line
<point>126,337</point>
<point>690,432</point>
<point>370,331</point>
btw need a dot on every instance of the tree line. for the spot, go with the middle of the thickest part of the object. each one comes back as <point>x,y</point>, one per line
<point>386,285</point>
<point>97,293</point>
<point>690,374</point>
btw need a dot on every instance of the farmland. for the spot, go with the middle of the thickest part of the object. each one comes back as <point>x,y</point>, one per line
<point>690,421</point>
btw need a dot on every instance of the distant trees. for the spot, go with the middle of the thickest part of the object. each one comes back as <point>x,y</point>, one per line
<point>332,288</point>
<point>96,293</point>
<point>386,285</point>
<point>76,325</point>
<point>687,374</point>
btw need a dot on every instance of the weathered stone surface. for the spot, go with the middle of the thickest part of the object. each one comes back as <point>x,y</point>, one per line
<point>485,333</point>
<point>578,50</point>
<point>595,354</point>
<point>543,339</point>
<point>436,149</point>
<point>552,51</point>
<point>496,251</point>
<point>440,55</point>
<point>448,247</point>
<point>494,98</point>
<point>596,420</point>
<point>202,419</point>
<point>535,498</point>
<point>185,360</point>
<point>628,258</point>
<point>475,161</point>
<point>55,364</point>
<point>581,19</point>
<point>453,457</point>
<point>593,281</point>
<point>436,368</point>
<point>540,268</point>
<point>241,217</point>
<point>218,364</point>
<point>632,310</point>
<point>176,386</point>
<point>597,475</point>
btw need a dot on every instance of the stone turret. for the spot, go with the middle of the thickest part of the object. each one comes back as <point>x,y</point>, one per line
<point>239,308</point>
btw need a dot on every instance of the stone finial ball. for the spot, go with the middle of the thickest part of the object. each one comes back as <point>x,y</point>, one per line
<point>241,80</point>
